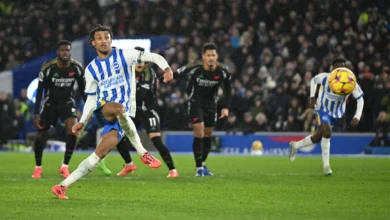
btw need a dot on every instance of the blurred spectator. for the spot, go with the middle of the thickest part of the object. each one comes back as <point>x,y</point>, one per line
<point>381,129</point>
<point>232,125</point>
<point>248,126</point>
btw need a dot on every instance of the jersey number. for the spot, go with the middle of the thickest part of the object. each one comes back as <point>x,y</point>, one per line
<point>152,122</point>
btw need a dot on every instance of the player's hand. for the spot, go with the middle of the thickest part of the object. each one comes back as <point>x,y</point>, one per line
<point>355,122</point>
<point>224,113</point>
<point>77,128</point>
<point>168,75</point>
<point>312,103</point>
<point>37,122</point>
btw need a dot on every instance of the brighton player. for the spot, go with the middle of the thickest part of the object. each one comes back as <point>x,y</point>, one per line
<point>329,107</point>
<point>110,86</point>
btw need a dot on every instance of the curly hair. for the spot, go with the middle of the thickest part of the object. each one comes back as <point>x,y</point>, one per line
<point>96,28</point>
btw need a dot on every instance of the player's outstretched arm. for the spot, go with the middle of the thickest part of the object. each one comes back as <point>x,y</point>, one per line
<point>358,94</point>
<point>141,56</point>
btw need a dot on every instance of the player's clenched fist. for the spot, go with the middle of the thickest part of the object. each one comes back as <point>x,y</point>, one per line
<point>168,75</point>
<point>77,128</point>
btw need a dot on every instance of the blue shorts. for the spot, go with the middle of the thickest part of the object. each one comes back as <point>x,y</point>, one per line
<point>108,125</point>
<point>324,117</point>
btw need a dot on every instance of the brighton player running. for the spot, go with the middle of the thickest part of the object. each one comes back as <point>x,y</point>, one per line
<point>329,107</point>
<point>110,86</point>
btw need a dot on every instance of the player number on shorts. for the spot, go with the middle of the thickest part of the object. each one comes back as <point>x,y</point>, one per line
<point>152,122</point>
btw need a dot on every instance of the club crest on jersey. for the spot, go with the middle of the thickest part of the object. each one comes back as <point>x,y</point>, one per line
<point>116,66</point>
<point>217,77</point>
<point>324,117</point>
<point>71,74</point>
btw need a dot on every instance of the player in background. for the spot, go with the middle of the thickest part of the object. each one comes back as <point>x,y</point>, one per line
<point>110,86</point>
<point>56,81</point>
<point>329,107</point>
<point>205,77</point>
<point>148,117</point>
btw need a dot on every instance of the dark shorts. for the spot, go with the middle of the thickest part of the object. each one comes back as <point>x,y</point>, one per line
<point>149,120</point>
<point>50,114</point>
<point>203,112</point>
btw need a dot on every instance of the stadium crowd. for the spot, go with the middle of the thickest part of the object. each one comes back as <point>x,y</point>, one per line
<point>272,48</point>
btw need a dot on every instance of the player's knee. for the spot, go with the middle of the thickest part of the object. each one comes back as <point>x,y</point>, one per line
<point>208,133</point>
<point>199,133</point>
<point>327,134</point>
<point>119,110</point>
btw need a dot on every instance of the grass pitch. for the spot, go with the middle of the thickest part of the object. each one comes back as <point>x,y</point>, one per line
<point>243,188</point>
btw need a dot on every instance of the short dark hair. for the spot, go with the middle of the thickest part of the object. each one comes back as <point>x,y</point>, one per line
<point>63,42</point>
<point>96,28</point>
<point>209,46</point>
<point>339,60</point>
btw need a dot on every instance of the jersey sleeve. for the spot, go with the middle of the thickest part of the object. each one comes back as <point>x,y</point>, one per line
<point>317,80</point>
<point>90,84</point>
<point>357,92</point>
<point>136,56</point>
<point>187,68</point>
<point>43,73</point>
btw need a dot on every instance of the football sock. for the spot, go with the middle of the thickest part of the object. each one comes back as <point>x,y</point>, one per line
<point>304,142</point>
<point>70,146</point>
<point>130,130</point>
<point>164,152</point>
<point>123,149</point>
<point>85,167</point>
<point>325,147</point>
<point>38,151</point>
<point>206,147</point>
<point>197,149</point>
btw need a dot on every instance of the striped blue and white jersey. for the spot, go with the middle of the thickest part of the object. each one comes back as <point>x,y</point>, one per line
<point>113,79</point>
<point>330,102</point>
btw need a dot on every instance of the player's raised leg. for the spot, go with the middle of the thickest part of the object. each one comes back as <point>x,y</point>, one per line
<point>123,149</point>
<point>112,111</point>
<point>307,141</point>
<point>106,144</point>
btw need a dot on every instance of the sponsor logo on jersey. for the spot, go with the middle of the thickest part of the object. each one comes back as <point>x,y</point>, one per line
<point>55,75</point>
<point>206,82</point>
<point>201,76</point>
<point>112,81</point>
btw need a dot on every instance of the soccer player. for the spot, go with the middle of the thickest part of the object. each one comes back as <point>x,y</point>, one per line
<point>149,118</point>
<point>110,86</point>
<point>57,78</point>
<point>329,107</point>
<point>205,77</point>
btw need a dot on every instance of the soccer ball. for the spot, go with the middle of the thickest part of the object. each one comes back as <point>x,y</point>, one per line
<point>342,81</point>
<point>257,145</point>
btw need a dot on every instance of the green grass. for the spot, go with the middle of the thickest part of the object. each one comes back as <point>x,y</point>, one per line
<point>243,188</point>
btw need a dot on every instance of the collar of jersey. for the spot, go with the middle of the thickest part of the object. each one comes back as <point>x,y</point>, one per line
<point>112,52</point>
